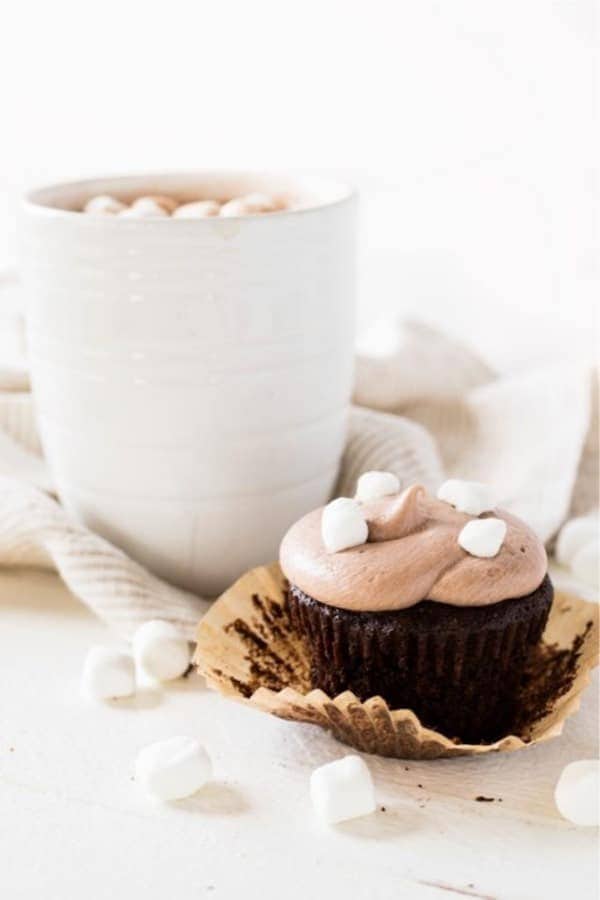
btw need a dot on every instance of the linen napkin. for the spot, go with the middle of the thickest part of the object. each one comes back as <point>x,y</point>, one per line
<point>425,407</point>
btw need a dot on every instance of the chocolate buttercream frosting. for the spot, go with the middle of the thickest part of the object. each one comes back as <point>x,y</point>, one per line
<point>412,554</point>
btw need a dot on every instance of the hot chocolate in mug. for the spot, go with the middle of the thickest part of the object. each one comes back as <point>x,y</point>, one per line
<point>192,377</point>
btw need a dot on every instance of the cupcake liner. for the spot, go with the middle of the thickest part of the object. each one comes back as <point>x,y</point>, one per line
<point>248,650</point>
<point>458,669</point>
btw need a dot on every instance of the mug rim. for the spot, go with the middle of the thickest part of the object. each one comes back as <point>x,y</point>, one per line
<point>39,200</point>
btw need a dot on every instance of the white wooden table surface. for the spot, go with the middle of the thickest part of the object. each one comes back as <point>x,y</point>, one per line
<point>73,823</point>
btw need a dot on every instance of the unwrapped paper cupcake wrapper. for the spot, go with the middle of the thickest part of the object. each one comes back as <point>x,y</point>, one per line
<point>248,650</point>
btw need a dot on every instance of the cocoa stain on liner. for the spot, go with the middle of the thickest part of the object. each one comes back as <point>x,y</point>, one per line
<point>276,659</point>
<point>273,659</point>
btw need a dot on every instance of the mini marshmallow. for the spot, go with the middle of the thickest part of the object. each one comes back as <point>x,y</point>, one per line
<point>103,205</point>
<point>167,203</point>
<point>483,537</point>
<point>373,485</point>
<point>173,769</point>
<point>586,563</point>
<point>342,790</point>
<point>260,202</point>
<point>200,209</point>
<point>248,205</point>
<point>470,497</point>
<point>577,792</point>
<point>574,535</point>
<point>107,673</point>
<point>144,208</point>
<point>160,651</point>
<point>343,525</point>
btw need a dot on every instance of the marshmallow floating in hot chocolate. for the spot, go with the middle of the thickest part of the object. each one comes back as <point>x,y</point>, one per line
<point>107,673</point>
<point>248,205</point>
<point>343,525</point>
<point>160,651</point>
<point>145,208</point>
<point>470,497</point>
<point>173,769</point>
<point>373,485</point>
<point>483,537</point>
<point>103,205</point>
<point>342,790</point>
<point>577,793</point>
<point>162,206</point>
<point>199,209</point>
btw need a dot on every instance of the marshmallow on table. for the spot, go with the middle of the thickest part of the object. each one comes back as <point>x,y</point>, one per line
<point>199,209</point>
<point>373,485</point>
<point>103,205</point>
<point>160,651</point>
<point>470,497</point>
<point>173,769</point>
<point>342,789</point>
<point>483,537</point>
<point>343,525</point>
<point>577,792</point>
<point>144,208</point>
<point>107,673</point>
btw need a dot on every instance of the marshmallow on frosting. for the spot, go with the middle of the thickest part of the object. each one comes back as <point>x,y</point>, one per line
<point>470,497</point>
<point>374,485</point>
<point>343,525</point>
<point>483,537</point>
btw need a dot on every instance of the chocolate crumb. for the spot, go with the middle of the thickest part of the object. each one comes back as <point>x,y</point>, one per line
<point>383,809</point>
<point>482,799</point>
<point>420,785</point>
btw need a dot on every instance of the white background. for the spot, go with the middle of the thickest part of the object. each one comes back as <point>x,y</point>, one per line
<point>467,125</point>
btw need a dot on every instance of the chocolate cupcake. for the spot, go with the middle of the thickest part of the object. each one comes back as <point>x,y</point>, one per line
<point>433,604</point>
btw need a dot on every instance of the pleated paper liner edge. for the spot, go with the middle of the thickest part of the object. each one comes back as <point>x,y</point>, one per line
<point>247,651</point>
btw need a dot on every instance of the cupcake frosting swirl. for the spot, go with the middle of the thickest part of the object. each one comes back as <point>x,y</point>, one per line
<point>412,554</point>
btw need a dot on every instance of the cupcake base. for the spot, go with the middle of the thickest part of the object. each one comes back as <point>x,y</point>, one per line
<point>458,668</point>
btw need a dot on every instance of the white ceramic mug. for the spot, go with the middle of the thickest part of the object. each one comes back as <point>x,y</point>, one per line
<point>192,376</point>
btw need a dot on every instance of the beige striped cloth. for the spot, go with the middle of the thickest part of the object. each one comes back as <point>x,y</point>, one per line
<point>426,408</point>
